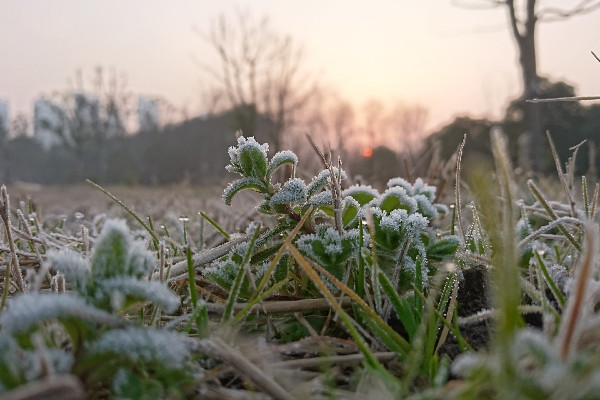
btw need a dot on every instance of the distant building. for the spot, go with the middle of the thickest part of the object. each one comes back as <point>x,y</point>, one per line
<point>4,120</point>
<point>148,114</point>
<point>50,126</point>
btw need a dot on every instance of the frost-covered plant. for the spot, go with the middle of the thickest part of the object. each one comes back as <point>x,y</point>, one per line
<point>101,343</point>
<point>403,237</point>
<point>112,278</point>
<point>329,248</point>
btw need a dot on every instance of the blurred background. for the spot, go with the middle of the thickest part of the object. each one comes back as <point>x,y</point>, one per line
<point>149,92</point>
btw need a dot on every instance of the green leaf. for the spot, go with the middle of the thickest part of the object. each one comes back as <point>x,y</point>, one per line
<point>253,162</point>
<point>443,247</point>
<point>401,305</point>
<point>244,183</point>
<point>351,212</point>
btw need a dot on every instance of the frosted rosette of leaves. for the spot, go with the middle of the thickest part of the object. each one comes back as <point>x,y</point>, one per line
<point>394,228</point>
<point>115,272</point>
<point>329,248</point>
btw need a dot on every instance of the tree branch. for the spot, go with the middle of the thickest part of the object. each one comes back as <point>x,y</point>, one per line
<point>552,14</point>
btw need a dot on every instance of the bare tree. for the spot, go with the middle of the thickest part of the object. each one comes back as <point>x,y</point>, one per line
<point>523,17</point>
<point>260,72</point>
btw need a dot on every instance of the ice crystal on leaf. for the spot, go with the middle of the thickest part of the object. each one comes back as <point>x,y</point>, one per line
<point>294,191</point>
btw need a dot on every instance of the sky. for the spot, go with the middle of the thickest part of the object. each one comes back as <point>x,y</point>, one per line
<point>451,60</point>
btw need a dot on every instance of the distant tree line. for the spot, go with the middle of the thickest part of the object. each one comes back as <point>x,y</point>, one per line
<point>568,123</point>
<point>194,151</point>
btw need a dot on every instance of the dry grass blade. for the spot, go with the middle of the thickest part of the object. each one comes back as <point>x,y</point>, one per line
<point>180,270</point>
<point>576,306</point>
<point>278,307</point>
<point>64,387</point>
<point>16,268</point>
<point>457,201</point>
<point>246,367</point>
<point>350,359</point>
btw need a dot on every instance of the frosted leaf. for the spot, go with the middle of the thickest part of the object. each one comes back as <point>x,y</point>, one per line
<point>361,193</point>
<point>28,310</point>
<point>117,254</point>
<point>244,183</point>
<point>324,198</point>
<point>72,265</point>
<point>420,187</point>
<point>280,158</point>
<point>153,291</point>
<point>140,260</point>
<point>400,182</point>
<point>293,191</point>
<point>397,198</point>
<point>145,345</point>
<point>425,207</point>
<point>109,256</point>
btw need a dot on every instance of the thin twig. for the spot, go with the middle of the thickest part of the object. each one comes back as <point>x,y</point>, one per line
<point>350,359</point>
<point>564,99</point>
<point>457,200</point>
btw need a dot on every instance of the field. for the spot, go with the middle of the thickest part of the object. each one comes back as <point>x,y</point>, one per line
<point>314,289</point>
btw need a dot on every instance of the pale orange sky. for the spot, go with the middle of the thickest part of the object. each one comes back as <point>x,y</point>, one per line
<point>450,60</point>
